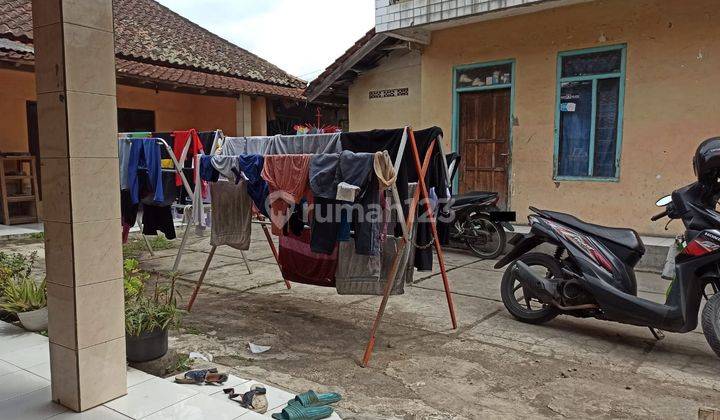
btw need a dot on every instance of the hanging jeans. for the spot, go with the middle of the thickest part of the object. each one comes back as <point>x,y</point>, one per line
<point>145,154</point>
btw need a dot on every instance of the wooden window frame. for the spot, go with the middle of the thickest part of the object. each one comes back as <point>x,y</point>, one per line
<point>593,118</point>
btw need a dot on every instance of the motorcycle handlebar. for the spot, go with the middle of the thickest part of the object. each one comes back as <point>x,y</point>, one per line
<point>659,216</point>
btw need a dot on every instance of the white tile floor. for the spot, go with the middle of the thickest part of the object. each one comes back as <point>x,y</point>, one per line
<point>25,390</point>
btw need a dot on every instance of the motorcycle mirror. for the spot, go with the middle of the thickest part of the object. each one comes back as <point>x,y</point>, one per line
<point>664,201</point>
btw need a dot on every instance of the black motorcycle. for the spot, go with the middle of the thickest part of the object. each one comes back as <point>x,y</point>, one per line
<point>480,224</point>
<point>477,221</point>
<point>591,273</point>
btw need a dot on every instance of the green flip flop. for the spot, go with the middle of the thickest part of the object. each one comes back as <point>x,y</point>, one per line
<point>297,412</point>
<point>313,399</point>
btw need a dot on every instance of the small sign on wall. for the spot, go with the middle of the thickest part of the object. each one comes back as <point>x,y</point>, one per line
<point>389,93</point>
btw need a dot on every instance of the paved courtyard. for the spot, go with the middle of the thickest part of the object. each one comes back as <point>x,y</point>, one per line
<point>491,367</point>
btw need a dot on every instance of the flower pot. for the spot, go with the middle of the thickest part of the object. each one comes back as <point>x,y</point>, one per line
<point>34,320</point>
<point>147,346</point>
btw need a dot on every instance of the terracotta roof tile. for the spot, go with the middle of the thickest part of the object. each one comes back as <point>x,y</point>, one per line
<point>175,76</point>
<point>149,32</point>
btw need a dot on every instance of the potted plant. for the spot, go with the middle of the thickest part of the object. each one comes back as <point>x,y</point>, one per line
<point>28,299</point>
<point>148,317</point>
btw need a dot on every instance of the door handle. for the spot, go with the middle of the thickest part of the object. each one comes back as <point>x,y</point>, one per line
<point>505,154</point>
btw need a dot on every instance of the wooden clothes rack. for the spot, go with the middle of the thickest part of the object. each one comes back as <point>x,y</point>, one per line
<point>406,223</point>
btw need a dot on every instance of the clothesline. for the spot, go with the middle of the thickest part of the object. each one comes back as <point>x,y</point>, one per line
<point>324,148</point>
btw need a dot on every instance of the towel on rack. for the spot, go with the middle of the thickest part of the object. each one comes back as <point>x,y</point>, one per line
<point>299,264</point>
<point>287,177</point>
<point>308,144</point>
<point>231,214</point>
<point>145,154</point>
<point>367,275</point>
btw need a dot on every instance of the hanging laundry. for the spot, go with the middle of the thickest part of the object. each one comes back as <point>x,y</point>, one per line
<point>227,166</point>
<point>299,264</point>
<point>195,148</point>
<point>336,181</point>
<point>252,167</point>
<point>308,144</point>
<point>231,215</point>
<point>128,213</point>
<point>207,170</point>
<point>145,154</point>
<point>124,146</point>
<point>156,218</point>
<point>367,275</point>
<point>287,177</point>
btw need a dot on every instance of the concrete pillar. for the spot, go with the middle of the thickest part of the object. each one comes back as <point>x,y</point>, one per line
<point>259,116</point>
<point>243,116</point>
<point>77,116</point>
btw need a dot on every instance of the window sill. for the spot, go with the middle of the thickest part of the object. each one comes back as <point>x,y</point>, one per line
<point>585,179</point>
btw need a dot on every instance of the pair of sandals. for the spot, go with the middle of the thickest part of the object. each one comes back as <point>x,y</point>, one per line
<point>308,406</point>
<point>255,399</point>
<point>202,376</point>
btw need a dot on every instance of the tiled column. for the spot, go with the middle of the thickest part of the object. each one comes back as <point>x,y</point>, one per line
<point>75,75</point>
<point>243,116</point>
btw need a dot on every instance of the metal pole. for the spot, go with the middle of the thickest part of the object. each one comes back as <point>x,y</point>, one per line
<point>201,279</point>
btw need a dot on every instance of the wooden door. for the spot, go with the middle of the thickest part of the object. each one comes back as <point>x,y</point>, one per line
<point>485,142</point>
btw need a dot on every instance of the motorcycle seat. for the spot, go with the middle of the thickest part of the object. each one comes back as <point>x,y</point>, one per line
<point>473,197</point>
<point>627,238</point>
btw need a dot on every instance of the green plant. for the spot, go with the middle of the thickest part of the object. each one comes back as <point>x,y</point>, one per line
<point>148,313</point>
<point>134,278</point>
<point>15,267</point>
<point>24,295</point>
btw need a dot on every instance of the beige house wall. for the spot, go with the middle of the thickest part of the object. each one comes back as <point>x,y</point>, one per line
<point>400,70</point>
<point>17,87</point>
<point>173,110</point>
<point>672,98</point>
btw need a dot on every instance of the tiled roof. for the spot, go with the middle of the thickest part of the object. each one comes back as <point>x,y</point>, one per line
<point>148,32</point>
<point>350,51</point>
<point>162,74</point>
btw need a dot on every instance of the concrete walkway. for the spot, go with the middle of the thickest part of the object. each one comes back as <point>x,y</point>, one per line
<point>491,367</point>
<point>25,390</point>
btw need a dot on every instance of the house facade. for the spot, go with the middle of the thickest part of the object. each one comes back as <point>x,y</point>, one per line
<point>589,107</point>
<point>171,75</point>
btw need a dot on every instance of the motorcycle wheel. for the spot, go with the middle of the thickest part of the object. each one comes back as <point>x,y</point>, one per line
<point>485,238</point>
<point>711,322</point>
<point>527,308</point>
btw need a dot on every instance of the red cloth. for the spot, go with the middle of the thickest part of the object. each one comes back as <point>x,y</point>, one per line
<point>300,265</point>
<point>287,178</point>
<point>180,138</point>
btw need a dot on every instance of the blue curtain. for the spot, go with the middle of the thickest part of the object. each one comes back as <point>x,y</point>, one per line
<point>575,115</point>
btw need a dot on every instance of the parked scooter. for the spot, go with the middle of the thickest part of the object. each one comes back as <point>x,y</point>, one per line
<point>478,222</point>
<point>591,273</point>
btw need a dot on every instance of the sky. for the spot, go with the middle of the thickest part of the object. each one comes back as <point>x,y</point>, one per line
<point>301,37</point>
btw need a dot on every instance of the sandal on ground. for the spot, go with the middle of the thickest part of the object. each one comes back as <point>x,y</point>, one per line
<point>254,400</point>
<point>313,399</point>
<point>298,412</point>
<point>199,376</point>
